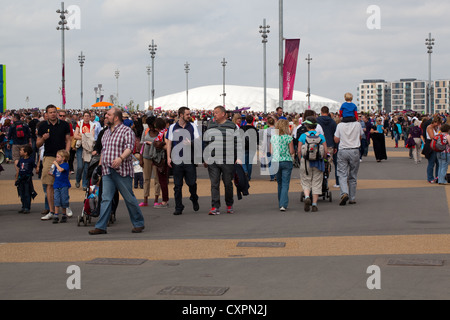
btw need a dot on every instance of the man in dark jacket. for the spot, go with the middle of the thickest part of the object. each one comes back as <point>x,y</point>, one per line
<point>329,128</point>
<point>224,149</point>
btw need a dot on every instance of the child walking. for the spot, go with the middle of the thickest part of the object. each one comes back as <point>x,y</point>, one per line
<point>24,178</point>
<point>61,185</point>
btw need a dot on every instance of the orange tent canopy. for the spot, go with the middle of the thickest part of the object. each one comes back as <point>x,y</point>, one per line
<point>102,104</point>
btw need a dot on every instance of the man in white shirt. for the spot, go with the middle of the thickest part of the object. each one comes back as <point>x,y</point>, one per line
<point>348,136</point>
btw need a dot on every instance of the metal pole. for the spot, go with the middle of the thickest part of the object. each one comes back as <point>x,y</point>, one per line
<point>63,27</point>
<point>117,74</point>
<point>429,43</point>
<point>186,68</point>
<point>309,80</point>
<point>224,64</point>
<point>81,59</point>
<point>153,47</point>
<point>264,30</point>
<point>149,71</point>
<point>281,54</point>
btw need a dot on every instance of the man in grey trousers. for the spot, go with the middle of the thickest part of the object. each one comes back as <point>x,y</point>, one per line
<point>348,136</point>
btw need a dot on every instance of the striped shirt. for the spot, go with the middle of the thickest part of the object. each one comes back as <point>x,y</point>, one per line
<point>114,144</point>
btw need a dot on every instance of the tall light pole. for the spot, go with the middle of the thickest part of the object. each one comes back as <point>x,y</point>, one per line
<point>62,26</point>
<point>264,30</point>
<point>153,48</point>
<point>309,59</point>
<point>224,64</point>
<point>281,54</point>
<point>117,75</point>
<point>429,43</point>
<point>81,59</point>
<point>187,69</point>
<point>149,72</point>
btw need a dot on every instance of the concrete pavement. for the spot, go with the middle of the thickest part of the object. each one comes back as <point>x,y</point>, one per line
<point>326,255</point>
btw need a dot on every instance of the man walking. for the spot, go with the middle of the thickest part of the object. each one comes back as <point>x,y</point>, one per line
<point>224,150</point>
<point>182,160</point>
<point>348,136</point>
<point>117,172</point>
<point>54,134</point>
<point>329,128</point>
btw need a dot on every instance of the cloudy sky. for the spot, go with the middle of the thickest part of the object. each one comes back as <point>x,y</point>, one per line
<point>115,34</point>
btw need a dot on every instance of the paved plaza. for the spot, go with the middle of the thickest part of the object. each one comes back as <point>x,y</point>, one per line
<point>400,224</point>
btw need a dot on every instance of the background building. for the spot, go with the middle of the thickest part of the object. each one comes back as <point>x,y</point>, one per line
<point>374,95</point>
<point>404,94</point>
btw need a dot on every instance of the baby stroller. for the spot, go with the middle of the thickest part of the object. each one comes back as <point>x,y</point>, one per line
<point>93,198</point>
<point>326,193</point>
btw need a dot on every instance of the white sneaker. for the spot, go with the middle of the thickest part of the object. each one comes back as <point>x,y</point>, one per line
<point>282,209</point>
<point>336,186</point>
<point>69,212</point>
<point>49,216</point>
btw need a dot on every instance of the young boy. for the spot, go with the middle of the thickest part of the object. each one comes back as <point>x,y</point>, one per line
<point>349,110</point>
<point>61,185</point>
<point>138,172</point>
<point>24,181</point>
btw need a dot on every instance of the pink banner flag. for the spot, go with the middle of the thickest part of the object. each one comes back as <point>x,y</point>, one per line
<point>290,67</point>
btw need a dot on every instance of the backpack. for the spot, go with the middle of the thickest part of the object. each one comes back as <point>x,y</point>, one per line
<point>20,133</point>
<point>313,150</point>
<point>438,144</point>
<point>301,131</point>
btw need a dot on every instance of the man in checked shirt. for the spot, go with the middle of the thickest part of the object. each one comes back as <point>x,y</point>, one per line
<point>117,172</point>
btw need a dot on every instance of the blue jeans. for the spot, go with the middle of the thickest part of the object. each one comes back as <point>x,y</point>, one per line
<point>82,168</point>
<point>111,183</point>
<point>283,180</point>
<point>443,159</point>
<point>432,162</point>
<point>247,165</point>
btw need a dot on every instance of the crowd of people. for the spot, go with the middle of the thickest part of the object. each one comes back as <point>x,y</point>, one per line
<point>149,147</point>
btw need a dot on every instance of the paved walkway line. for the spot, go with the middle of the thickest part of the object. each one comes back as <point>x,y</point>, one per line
<point>185,249</point>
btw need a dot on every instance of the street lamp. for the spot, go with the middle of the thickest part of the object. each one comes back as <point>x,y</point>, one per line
<point>117,74</point>
<point>81,59</point>
<point>63,27</point>
<point>187,69</point>
<point>429,43</point>
<point>309,59</point>
<point>153,48</point>
<point>264,30</point>
<point>224,64</point>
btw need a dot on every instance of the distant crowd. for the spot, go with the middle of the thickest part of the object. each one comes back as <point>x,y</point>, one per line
<point>142,149</point>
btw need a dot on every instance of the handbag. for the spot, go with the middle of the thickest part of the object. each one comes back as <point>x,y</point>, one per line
<point>410,143</point>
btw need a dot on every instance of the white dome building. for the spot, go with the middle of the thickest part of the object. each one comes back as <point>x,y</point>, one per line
<point>209,97</point>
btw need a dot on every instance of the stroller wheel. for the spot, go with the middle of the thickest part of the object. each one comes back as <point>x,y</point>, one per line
<point>78,221</point>
<point>85,221</point>
<point>302,197</point>
<point>330,196</point>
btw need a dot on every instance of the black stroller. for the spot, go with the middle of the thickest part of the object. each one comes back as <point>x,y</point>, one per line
<point>93,198</point>
<point>326,193</point>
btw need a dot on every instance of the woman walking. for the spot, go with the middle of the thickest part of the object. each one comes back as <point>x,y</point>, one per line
<point>282,150</point>
<point>443,157</point>
<point>379,141</point>
<point>432,130</point>
<point>416,133</point>
<point>148,137</point>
